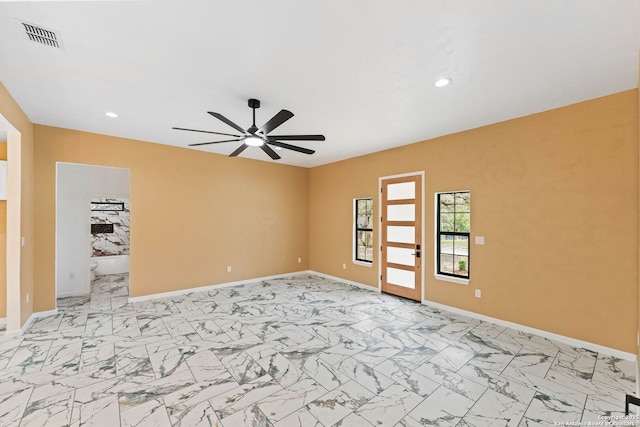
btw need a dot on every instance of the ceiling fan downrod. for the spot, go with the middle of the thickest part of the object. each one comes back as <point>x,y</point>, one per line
<point>253,104</point>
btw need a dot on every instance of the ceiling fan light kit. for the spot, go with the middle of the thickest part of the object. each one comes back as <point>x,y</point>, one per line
<point>259,137</point>
<point>253,141</point>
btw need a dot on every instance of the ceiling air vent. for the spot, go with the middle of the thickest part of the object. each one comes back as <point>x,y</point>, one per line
<point>42,35</point>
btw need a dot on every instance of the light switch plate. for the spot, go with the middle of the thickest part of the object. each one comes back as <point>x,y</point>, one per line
<point>479,240</point>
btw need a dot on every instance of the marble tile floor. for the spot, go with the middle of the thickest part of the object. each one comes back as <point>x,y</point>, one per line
<point>295,351</point>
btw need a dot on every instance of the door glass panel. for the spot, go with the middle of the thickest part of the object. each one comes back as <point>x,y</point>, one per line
<point>403,190</point>
<point>401,212</point>
<point>401,256</point>
<point>398,277</point>
<point>401,234</point>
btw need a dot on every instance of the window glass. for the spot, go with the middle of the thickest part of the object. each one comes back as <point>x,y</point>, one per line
<point>363,221</point>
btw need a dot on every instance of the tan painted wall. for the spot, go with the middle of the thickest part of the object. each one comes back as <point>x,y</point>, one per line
<point>3,244</point>
<point>14,114</point>
<point>556,196</point>
<point>192,213</point>
<point>559,182</point>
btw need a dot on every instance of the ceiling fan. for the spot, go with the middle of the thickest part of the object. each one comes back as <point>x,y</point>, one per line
<point>259,137</point>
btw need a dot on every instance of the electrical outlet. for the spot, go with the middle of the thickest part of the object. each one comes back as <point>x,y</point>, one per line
<point>299,260</point>
<point>479,240</point>
<point>228,269</point>
<point>344,266</point>
<point>23,241</point>
<point>478,293</point>
<point>27,296</point>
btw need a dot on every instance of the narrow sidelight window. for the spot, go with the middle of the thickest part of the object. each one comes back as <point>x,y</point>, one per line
<point>363,239</point>
<point>453,230</point>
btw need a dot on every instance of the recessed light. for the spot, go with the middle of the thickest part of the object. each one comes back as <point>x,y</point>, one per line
<point>445,81</point>
<point>111,114</point>
<point>278,148</point>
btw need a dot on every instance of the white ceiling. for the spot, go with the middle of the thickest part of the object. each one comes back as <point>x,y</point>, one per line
<point>360,72</point>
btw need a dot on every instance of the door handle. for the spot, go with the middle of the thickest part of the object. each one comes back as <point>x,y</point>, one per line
<point>416,254</point>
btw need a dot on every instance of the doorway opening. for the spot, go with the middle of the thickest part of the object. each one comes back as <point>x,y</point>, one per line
<point>92,234</point>
<point>11,240</point>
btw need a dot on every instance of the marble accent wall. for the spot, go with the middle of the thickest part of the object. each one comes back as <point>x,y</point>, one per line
<point>116,243</point>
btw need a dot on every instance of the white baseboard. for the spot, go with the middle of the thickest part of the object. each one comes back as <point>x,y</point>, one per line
<point>550,335</point>
<point>3,321</point>
<point>244,282</point>
<point>30,320</point>
<point>210,287</point>
<point>349,282</point>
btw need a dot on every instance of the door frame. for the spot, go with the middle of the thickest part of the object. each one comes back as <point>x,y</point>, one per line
<point>16,308</point>
<point>85,262</point>
<point>379,233</point>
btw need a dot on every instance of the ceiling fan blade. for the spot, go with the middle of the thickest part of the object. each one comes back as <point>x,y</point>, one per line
<point>207,131</point>
<point>298,137</point>
<point>227,121</point>
<point>270,151</point>
<point>276,121</point>
<point>291,147</point>
<point>214,142</point>
<point>238,150</point>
